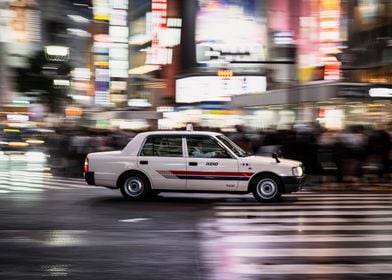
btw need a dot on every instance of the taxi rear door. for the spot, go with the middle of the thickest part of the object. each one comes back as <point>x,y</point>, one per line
<point>162,158</point>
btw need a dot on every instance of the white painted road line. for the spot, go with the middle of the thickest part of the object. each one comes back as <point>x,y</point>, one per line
<point>135,220</point>
<point>303,220</point>
<point>301,213</point>
<point>295,207</point>
<point>29,184</point>
<point>44,185</point>
<point>338,194</point>
<point>300,228</point>
<point>41,180</point>
<point>307,238</point>
<point>316,269</point>
<point>315,252</point>
<point>351,198</point>
<point>22,189</point>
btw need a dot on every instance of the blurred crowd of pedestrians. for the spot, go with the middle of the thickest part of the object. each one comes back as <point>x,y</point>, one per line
<point>356,154</point>
<point>68,147</point>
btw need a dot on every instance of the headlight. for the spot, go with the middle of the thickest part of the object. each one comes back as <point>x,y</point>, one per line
<point>298,171</point>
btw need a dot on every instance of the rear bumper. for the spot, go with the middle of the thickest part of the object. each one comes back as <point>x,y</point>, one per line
<point>292,183</point>
<point>89,177</point>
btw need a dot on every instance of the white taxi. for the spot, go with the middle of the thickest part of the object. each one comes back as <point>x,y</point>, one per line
<point>193,161</point>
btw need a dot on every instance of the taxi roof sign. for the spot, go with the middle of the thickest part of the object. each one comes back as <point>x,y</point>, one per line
<point>189,127</point>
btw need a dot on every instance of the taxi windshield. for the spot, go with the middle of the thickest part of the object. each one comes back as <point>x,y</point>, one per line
<point>232,146</point>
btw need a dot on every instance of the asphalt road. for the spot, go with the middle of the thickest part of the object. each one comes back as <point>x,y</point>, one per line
<point>58,227</point>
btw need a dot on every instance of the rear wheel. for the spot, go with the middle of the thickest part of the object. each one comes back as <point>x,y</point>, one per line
<point>267,188</point>
<point>134,187</point>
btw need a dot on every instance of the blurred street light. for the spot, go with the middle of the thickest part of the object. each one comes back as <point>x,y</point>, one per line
<point>78,18</point>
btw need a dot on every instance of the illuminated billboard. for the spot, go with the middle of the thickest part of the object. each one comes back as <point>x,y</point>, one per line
<point>214,88</point>
<point>230,31</point>
<point>330,42</point>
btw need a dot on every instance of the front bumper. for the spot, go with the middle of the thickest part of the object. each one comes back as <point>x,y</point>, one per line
<point>292,183</point>
<point>89,177</point>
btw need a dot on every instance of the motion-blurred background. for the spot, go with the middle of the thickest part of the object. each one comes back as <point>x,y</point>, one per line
<point>309,78</point>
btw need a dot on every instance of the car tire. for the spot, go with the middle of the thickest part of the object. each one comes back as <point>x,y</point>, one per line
<point>267,188</point>
<point>134,187</point>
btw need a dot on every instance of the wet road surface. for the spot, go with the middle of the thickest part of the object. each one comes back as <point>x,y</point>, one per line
<point>58,227</point>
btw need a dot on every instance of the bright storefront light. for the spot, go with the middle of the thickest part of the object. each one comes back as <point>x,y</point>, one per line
<point>35,157</point>
<point>57,50</point>
<point>78,18</point>
<point>380,92</point>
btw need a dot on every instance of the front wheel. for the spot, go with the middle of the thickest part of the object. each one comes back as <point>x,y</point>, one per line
<point>134,187</point>
<point>267,189</point>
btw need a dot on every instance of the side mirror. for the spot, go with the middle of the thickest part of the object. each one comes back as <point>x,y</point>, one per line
<point>276,157</point>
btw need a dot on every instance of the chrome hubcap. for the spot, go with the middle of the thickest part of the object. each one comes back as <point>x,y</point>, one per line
<point>266,188</point>
<point>133,186</point>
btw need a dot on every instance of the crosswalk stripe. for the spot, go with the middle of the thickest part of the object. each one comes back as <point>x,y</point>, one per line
<point>41,183</point>
<point>26,174</point>
<point>316,269</point>
<point>338,194</point>
<point>294,207</point>
<point>314,252</point>
<point>327,238</point>
<point>23,188</point>
<point>69,185</point>
<point>301,213</point>
<point>66,181</point>
<point>31,174</point>
<point>303,220</point>
<point>62,179</point>
<point>15,185</point>
<point>312,200</point>
<point>37,182</point>
<point>303,228</point>
<point>43,178</point>
<point>300,228</point>
<point>26,180</point>
<point>315,202</point>
<point>353,198</point>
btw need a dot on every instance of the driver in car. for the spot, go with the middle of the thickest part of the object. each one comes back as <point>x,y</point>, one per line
<point>198,152</point>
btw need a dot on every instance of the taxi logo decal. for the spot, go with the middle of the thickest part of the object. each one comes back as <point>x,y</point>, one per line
<point>205,175</point>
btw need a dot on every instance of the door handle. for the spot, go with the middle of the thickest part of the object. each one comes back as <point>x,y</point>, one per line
<point>143,162</point>
<point>192,163</point>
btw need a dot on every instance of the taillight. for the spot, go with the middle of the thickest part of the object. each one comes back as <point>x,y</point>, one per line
<point>85,168</point>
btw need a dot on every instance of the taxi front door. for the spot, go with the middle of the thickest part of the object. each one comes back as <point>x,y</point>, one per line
<point>214,170</point>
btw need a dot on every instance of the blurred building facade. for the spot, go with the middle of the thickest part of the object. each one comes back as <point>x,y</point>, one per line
<point>28,28</point>
<point>367,62</point>
<point>218,63</point>
<point>343,64</point>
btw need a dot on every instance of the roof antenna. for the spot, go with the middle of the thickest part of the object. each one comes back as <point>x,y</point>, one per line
<point>276,157</point>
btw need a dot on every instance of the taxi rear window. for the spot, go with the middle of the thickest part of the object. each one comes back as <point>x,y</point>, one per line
<point>162,146</point>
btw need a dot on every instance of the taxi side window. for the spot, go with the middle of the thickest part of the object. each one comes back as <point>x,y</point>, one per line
<point>162,146</point>
<point>205,147</point>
